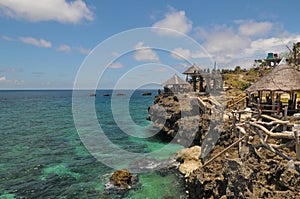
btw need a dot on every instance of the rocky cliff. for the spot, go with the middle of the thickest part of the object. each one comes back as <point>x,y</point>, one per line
<point>178,118</point>
<point>258,174</point>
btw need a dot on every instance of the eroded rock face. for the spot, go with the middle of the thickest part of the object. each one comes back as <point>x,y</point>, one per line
<point>178,117</point>
<point>238,178</point>
<point>241,178</point>
<point>189,159</point>
<point>121,182</point>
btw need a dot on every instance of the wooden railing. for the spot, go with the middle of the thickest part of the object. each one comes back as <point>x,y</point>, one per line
<point>238,101</point>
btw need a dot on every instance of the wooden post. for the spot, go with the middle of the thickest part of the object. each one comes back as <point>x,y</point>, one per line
<point>201,88</point>
<point>294,101</point>
<point>273,100</point>
<point>292,97</point>
<point>208,83</point>
<point>260,95</point>
<point>194,77</point>
<point>284,117</point>
<point>297,144</point>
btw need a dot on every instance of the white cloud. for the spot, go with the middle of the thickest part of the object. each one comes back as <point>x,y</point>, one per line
<point>64,11</point>
<point>252,28</point>
<point>272,44</point>
<point>36,42</point>
<point>180,53</point>
<point>2,78</point>
<point>7,38</point>
<point>67,49</point>
<point>182,66</point>
<point>64,48</point>
<point>187,54</point>
<point>116,54</point>
<point>222,43</point>
<point>242,44</point>
<point>8,82</point>
<point>161,70</point>
<point>144,53</point>
<point>82,50</point>
<point>174,20</point>
<point>116,65</point>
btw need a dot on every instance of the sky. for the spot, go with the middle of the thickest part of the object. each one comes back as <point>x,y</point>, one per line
<point>65,44</point>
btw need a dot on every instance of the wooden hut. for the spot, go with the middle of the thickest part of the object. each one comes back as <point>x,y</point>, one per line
<point>282,79</point>
<point>193,75</point>
<point>176,85</point>
<point>191,71</point>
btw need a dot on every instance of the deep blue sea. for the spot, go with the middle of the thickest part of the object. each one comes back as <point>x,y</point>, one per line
<point>42,154</point>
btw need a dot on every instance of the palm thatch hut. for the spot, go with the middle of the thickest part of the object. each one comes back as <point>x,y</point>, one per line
<point>191,70</point>
<point>282,79</point>
<point>176,85</point>
<point>194,73</point>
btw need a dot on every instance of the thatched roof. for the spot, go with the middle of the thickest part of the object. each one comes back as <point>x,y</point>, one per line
<point>175,80</point>
<point>281,78</point>
<point>191,70</point>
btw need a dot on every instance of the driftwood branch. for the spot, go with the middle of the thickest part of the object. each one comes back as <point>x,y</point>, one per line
<point>270,118</point>
<point>274,127</point>
<point>281,146</point>
<point>280,122</point>
<point>267,146</point>
<point>260,128</point>
<point>282,135</point>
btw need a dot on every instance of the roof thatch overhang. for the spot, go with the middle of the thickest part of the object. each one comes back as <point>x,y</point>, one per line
<point>191,70</point>
<point>282,78</point>
<point>175,80</point>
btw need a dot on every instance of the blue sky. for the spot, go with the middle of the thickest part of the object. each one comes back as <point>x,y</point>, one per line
<point>44,44</point>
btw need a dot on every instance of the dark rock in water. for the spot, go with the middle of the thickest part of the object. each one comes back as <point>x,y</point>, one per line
<point>107,95</point>
<point>120,94</point>
<point>93,94</point>
<point>146,94</point>
<point>121,182</point>
<point>148,118</point>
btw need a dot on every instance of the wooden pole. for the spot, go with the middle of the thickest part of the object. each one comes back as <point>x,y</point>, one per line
<point>297,145</point>
<point>273,100</point>
<point>294,101</point>
<point>223,151</point>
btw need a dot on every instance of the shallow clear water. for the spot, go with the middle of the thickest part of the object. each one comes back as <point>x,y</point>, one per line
<point>42,155</point>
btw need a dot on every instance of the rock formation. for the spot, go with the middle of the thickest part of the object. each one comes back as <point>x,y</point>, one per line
<point>177,117</point>
<point>121,182</point>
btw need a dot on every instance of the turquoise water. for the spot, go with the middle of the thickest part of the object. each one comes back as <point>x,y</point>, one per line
<point>42,155</point>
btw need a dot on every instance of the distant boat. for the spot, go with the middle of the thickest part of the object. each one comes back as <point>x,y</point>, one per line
<point>93,94</point>
<point>107,95</point>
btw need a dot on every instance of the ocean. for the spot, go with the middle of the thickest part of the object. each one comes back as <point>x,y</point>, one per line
<point>43,155</point>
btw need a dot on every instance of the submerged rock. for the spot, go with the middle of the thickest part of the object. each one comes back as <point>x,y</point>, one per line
<point>121,182</point>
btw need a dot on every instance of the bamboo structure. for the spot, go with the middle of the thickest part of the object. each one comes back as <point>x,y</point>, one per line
<point>265,132</point>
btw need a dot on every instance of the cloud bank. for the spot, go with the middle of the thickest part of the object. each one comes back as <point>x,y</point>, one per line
<point>174,20</point>
<point>47,10</point>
